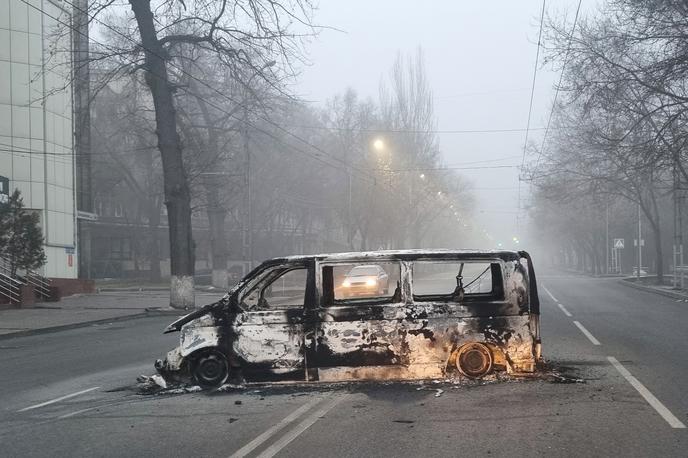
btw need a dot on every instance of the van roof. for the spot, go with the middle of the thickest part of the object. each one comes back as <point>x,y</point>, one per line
<point>404,255</point>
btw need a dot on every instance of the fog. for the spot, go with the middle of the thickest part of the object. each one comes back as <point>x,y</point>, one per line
<point>479,58</point>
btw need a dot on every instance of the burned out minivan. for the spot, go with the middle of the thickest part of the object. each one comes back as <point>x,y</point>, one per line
<point>440,313</point>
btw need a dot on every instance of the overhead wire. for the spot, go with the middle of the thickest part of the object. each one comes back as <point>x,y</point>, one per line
<point>530,111</point>
<point>346,167</point>
<point>561,77</point>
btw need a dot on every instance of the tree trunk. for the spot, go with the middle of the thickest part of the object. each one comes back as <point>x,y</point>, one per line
<point>177,193</point>
<point>656,232</point>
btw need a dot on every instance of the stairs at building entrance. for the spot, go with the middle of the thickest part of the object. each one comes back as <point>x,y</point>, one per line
<point>10,285</point>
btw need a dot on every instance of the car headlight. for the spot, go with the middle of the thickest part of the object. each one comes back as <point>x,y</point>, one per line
<point>371,282</point>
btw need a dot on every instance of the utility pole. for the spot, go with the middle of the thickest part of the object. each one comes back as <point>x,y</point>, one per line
<point>640,252</point>
<point>607,246</point>
<point>249,212</point>
<point>82,136</point>
<point>678,232</point>
<point>349,235</point>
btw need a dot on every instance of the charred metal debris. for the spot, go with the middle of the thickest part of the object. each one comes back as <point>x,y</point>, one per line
<point>387,315</point>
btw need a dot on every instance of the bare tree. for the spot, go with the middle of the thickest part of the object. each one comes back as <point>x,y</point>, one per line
<point>240,34</point>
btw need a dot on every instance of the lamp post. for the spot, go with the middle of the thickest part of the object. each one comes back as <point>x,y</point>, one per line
<point>249,210</point>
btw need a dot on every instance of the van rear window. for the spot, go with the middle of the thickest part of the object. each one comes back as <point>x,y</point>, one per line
<point>442,280</point>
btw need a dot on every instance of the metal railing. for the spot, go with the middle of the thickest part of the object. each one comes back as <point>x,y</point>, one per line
<point>40,284</point>
<point>10,288</point>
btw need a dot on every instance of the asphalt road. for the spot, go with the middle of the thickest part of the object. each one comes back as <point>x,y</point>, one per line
<point>69,394</point>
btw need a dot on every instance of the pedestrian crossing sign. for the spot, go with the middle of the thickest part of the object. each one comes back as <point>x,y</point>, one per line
<point>618,243</point>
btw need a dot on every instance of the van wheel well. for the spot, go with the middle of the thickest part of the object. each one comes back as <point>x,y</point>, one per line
<point>475,359</point>
<point>209,367</point>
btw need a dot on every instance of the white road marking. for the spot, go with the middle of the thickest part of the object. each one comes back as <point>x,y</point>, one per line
<point>61,398</point>
<point>248,448</point>
<point>563,309</point>
<point>300,428</point>
<point>645,393</point>
<point>76,413</point>
<point>550,294</point>
<point>590,337</point>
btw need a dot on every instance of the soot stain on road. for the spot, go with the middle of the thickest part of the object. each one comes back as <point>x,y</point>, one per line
<point>550,372</point>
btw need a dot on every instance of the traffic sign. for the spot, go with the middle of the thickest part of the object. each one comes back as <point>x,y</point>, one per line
<point>4,190</point>
<point>619,243</point>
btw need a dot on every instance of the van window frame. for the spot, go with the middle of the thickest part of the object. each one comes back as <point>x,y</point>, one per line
<point>270,274</point>
<point>363,301</point>
<point>498,287</point>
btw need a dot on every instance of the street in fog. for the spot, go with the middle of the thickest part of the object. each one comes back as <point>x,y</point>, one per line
<point>75,397</point>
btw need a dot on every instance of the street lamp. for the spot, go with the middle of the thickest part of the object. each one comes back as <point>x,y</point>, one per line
<point>247,151</point>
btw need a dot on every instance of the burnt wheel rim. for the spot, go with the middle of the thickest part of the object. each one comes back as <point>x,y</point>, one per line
<point>474,360</point>
<point>211,370</point>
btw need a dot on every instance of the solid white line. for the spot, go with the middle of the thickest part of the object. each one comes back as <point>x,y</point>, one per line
<point>300,428</point>
<point>550,294</point>
<point>645,393</point>
<point>53,401</point>
<point>563,309</point>
<point>248,448</point>
<point>590,337</point>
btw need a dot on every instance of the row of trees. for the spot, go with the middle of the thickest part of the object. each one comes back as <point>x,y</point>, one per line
<point>205,84</point>
<point>618,132</point>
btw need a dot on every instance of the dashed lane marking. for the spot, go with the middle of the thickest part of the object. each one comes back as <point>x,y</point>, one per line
<point>300,428</point>
<point>61,398</point>
<point>550,294</point>
<point>255,443</point>
<point>647,395</point>
<point>587,333</point>
<point>563,309</point>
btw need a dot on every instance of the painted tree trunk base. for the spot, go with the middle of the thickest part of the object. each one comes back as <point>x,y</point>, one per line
<point>220,278</point>
<point>182,294</point>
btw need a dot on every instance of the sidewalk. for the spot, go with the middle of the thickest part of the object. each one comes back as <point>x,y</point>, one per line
<point>88,309</point>
<point>664,290</point>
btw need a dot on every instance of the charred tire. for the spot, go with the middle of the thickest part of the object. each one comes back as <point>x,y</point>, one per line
<point>210,368</point>
<point>474,360</point>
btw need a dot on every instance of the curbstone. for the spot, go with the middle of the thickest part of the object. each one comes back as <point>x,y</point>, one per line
<point>650,289</point>
<point>149,313</point>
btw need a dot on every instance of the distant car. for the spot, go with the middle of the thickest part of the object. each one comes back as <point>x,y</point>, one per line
<point>643,271</point>
<point>365,280</point>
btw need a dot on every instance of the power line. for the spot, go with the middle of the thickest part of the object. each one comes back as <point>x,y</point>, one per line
<point>532,91</point>
<point>530,110</point>
<point>430,169</point>
<point>411,131</point>
<point>347,167</point>
<point>222,94</point>
<point>561,76</point>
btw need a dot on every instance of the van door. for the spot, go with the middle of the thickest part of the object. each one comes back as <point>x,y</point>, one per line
<point>268,337</point>
<point>357,330</point>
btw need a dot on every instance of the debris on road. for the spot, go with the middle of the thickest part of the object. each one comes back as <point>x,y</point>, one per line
<point>439,392</point>
<point>152,383</point>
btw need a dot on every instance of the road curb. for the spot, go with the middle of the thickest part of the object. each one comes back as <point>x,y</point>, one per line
<point>650,289</point>
<point>85,324</point>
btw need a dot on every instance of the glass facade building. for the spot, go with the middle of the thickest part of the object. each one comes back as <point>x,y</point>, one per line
<point>36,126</point>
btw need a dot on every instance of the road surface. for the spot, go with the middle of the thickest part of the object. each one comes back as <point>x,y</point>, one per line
<point>69,394</point>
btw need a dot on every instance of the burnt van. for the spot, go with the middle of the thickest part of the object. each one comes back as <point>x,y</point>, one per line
<point>386,315</point>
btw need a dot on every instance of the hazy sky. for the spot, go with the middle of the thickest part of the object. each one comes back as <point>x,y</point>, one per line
<point>480,58</point>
